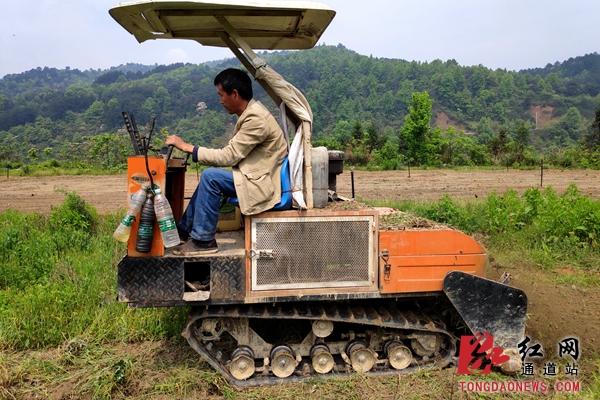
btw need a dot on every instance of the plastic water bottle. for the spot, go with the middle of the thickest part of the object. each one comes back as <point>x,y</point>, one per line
<point>136,200</point>
<point>166,222</point>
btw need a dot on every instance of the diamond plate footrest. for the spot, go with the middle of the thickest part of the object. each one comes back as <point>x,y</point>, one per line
<point>150,280</point>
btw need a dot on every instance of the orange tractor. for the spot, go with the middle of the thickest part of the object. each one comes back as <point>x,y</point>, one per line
<point>321,290</point>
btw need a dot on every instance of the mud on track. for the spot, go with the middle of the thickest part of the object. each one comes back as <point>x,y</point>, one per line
<point>107,193</point>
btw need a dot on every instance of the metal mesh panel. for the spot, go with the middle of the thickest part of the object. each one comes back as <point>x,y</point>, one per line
<point>327,253</point>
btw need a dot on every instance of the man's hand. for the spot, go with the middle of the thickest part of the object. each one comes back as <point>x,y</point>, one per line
<point>179,143</point>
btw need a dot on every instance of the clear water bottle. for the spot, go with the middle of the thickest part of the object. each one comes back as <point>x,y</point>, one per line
<point>136,200</point>
<point>164,217</point>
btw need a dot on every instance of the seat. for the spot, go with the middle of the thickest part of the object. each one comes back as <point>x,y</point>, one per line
<point>286,189</point>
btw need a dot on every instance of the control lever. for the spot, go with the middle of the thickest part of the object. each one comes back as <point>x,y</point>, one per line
<point>169,153</point>
<point>136,140</point>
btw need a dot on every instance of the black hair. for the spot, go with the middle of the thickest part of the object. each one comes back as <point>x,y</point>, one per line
<point>232,78</point>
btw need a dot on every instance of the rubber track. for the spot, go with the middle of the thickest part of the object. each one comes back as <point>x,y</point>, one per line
<point>382,316</point>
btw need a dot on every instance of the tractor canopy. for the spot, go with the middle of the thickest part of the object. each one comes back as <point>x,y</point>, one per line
<point>261,24</point>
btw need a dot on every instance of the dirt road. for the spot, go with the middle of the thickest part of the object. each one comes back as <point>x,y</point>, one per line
<point>107,193</point>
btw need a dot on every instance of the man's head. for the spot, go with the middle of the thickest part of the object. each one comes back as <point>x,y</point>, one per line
<point>234,88</point>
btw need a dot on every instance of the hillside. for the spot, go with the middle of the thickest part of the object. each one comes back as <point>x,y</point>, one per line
<point>49,108</point>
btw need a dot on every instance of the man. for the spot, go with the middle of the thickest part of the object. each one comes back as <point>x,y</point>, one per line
<point>255,154</point>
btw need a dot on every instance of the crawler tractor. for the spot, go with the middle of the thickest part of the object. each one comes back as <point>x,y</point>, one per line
<point>318,290</point>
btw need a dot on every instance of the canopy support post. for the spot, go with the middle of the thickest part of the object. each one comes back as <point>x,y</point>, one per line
<point>246,55</point>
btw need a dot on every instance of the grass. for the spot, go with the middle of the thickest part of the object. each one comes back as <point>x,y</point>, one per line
<point>55,168</point>
<point>167,369</point>
<point>57,282</point>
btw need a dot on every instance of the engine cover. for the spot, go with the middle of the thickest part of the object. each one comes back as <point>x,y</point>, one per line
<point>313,251</point>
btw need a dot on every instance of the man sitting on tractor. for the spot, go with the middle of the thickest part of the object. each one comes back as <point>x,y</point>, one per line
<point>255,154</point>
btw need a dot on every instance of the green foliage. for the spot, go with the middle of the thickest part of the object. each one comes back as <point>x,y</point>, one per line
<point>73,223</point>
<point>388,157</point>
<point>33,245</point>
<point>26,255</point>
<point>109,150</point>
<point>415,132</point>
<point>456,148</point>
<point>570,128</point>
<point>592,138</point>
<point>57,282</point>
<point>66,109</point>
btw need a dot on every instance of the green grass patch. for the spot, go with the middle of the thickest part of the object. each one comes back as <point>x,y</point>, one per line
<point>53,167</point>
<point>539,227</point>
<point>57,282</point>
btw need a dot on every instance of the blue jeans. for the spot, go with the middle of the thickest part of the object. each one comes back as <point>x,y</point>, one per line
<point>202,213</point>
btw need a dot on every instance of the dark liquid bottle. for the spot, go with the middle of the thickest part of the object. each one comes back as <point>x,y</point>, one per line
<point>144,236</point>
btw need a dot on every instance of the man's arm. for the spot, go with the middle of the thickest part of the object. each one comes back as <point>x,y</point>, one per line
<point>251,133</point>
<point>179,143</point>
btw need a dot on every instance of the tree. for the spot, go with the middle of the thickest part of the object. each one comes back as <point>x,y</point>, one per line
<point>93,115</point>
<point>499,143</point>
<point>357,130</point>
<point>522,137</point>
<point>592,139</point>
<point>373,137</point>
<point>414,133</point>
<point>32,153</point>
<point>569,129</point>
<point>387,157</point>
<point>8,152</point>
<point>456,148</point>
<point>485,132</point>
<point>108,150</point>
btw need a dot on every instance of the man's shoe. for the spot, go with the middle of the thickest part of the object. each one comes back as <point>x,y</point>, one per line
<point>183,235</point>
<point>195,247</point>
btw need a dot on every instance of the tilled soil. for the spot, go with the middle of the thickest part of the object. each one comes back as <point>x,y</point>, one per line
<point>433,184</point>
<point>556,311</point>
<point>107,193</point>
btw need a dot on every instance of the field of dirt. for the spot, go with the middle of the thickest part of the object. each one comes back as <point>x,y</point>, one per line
<point>107,193</point>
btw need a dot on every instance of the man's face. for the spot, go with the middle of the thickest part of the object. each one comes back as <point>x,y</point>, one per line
<point>229,101</point>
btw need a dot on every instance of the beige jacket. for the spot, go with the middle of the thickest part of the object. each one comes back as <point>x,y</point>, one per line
<point>255,152</point>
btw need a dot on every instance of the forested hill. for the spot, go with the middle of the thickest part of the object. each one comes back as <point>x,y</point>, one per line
<point>47,107</point>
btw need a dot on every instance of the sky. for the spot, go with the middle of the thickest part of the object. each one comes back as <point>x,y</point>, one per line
<point>510,34</point>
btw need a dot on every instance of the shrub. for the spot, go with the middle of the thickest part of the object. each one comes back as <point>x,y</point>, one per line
<point>73,223</point>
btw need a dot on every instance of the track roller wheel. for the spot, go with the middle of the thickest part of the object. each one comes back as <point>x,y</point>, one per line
<point>283,362</point>
<point>398,355</point>
<point>425,345</point>
<point>322,328</point>
<point>242,363</point>
<point>322,360</point>
<point>361,357</point>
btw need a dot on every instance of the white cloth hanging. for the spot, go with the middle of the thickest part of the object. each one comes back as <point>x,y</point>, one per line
<point>293,100</point>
